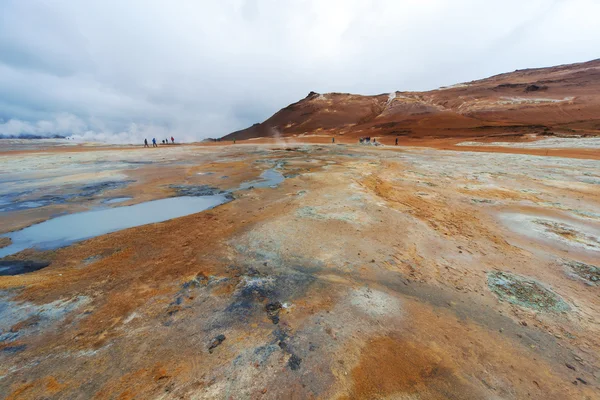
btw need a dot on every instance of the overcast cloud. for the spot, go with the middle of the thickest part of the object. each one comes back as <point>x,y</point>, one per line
<point>120,71</point>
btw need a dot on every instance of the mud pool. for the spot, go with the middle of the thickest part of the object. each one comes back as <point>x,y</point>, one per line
<point>67,229</point>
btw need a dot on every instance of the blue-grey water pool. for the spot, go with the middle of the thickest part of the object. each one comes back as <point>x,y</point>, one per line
<point>67,229</point>
<point>268,178</point>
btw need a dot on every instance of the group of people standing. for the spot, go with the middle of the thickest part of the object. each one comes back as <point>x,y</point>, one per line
<point>367,140</point>
<point>165,141</point>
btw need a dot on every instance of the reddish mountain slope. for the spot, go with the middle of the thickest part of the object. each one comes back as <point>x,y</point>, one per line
<point>563,99</point>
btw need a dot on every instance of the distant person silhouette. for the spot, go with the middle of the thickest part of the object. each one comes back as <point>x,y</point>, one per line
<point>396,141</point>
<point>172,140</point>
<point>146,143</point>
<point>332,140</point>
<point>154,142</point>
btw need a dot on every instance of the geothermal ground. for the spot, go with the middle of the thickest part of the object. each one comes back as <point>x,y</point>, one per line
<point>321,271</point>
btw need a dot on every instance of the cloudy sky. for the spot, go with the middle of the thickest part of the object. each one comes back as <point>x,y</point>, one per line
<point>122,70</point>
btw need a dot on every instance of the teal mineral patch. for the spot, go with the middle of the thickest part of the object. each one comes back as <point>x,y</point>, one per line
<point>525,292</point>
<point>585,271</point>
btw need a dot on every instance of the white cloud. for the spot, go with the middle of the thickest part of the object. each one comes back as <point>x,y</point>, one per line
<point>205,68</point>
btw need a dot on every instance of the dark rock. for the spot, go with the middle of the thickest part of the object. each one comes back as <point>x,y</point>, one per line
<point>582,381</point>
<point>535,88</point>
<point>273,311</point>
<point>570,366</point>
<point>215,342</point>
<point>294,362</point>
<point>510,86</point>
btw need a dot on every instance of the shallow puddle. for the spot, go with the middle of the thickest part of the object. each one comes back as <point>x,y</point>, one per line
<point>268,178</point>
<point>67,229</point>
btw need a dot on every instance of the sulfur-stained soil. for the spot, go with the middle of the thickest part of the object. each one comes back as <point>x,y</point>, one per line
<point>368,272</point>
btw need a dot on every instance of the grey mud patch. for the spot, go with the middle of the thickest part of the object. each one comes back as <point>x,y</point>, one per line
<point>319,214</point>
<point>580,234</point>
<point>19,319</point>
<point>525,292</point>
<point>483,201</point>
<point>567,232</point>
<point>265,292</point>
<point>194,190</point>
<point>98,188</point>
<point>24,201</point>
<point>587,272</point>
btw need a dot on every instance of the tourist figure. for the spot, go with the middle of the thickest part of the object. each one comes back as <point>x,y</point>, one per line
<point>332,140</point>
<point>233,140</point>
<point>396,141</point>
<point>154,142</point>
<point>172,140</point>
<point>146,143</point>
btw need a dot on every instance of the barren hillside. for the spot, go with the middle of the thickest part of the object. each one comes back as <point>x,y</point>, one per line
<point>563,99</point>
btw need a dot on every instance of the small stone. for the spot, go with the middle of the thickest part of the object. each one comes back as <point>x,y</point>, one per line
<point>570,366</point>
<point>524,323</point>
<point>215,342</point>
<point>582,381</point>
<point>273,311</point>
